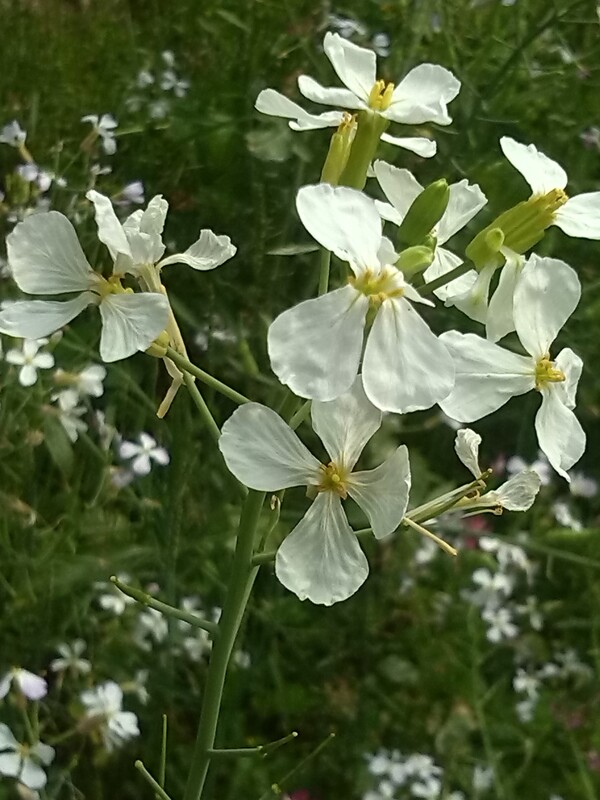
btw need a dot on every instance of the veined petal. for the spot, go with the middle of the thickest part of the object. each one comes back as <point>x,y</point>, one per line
<point>315,347</point>
<point>444,261</point>
<point>131,322</point>
<point>559,432</point>
<point>466,445</point>
<point>45,256</point>
<point>547,294</point>
<point>276,104</point>
<point>346,424</point>
<point>399,186</point>
<point>153,217</point>
<point>110,230</point>
<point>344,221</point>
<point>321,559</point>
<point>487,376</point>
<point>500,316</point>
<point>33,319</point>
<point>474,302</point>
<point>540,172</point>
<point>264,453</point>
<point>580,216</point>
<point>382,493</point>
<point>406,367</point>
<point>571,366</point>
<point>208,252</point>
<point>422,96</point>
<point>355,66</point>
<point>328,95</point>
<point>419,145</point>
<point>465,201</point>
<point>519,492</point>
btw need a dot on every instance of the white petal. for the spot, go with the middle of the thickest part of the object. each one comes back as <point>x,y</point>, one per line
<point>153,217</point>
<point>44,361</point>
<point>540,172</point>
<point>5,683</point>
<point>131,322</point>
<point>328,95</point>
<point>406,367</point>
<point>388,212</point>
<point>465,201</point>
<point>321,559</point>
<point>399,186</point>
<point>444,261</point>
<point>474,302</point>
<point>16,357</point>
<point>45,256</point>
<point>278,105</point>
<point>141,464</point>
<point>547,294</point>
<point>315,346</point>
<point>466,445</point>
<point>32,319</point>
<point>580,216</point>
<point>110,230</point>
<point>129,449</point>
<point>422,96</point>
<point>426,148</point>
<point>355,66</point>
<point>44,752</point>
<point>344,221</point>
<point>346,424</point>
<point>500,316</point>
<point>7,740</point>
<point>27,375</point>
<point>571,365</point>
<point>559,432</point>
<point>32,775</point>
<point>519,492</point>
<point>382,493</point>
<point>486,376</point>
<point>10,764</point>
<point>263,452</point>
<point>208,252</point>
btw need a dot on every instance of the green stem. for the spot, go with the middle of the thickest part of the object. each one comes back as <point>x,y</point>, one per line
<point>158,789</point>
<point>187,366</point>
<point>448,277</point>
<point>200,404</point>
<point>240,584</point>
<point>265,558</point>
<point>370,127</point>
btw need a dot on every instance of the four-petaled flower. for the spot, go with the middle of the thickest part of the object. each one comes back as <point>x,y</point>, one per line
<point>104,127</point>
<point>30,360</point>
<point>13,134</point>
<point>23,761</point>
<point>143,454</point>
<point>70,658</point>
<point>103,704</point>
<point>316,346</point>
<point>321,559</point>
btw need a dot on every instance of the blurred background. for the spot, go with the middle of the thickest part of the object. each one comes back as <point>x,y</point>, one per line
<point>441,678</point>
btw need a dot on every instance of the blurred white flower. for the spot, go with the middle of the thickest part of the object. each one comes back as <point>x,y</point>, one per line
<point>104,127</point>
<point>151,626</point>
<point>346,26</point>
<point>24,761</point>
<point>143,453</point>
<point>13,134</point>
<point>30,359</point>
<point>132,192</point>
<point>103,704</point>
<point>31,686</point>
<point>87,382</point>
<point>483,778</point>
<point>494,588</point>
<point>565,517</point>
<point>69,413</point>
<point>70,658</point>
<point>137,686</point>
<point>541,465</point>
<point>583,485</point>
<point>381,44</point>
<point>500,624</point>
<point>112,599</point>
<point>144,79</point>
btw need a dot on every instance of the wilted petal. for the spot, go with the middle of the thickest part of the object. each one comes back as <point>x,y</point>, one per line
<point>321,559</point>
<point>346,424</point>
<point>110,230</point>
<point>208,252</point>
<point>382,493</point>
<point>519,492</point>
<point>131,322</point>
<point>559,432</point>
<point>315,346</point>
<point>422,96</point>
<point>276,104</point>
<point>33,319</point>
<point>406,367</point>
<point>328,95</point>
<point>153,217</point>
<point>399,186</point>
<point>487,376</point>
<point>466,445</point>
<point>443,262</point>
<point>540,172</point>
<point>355,66</point>
<point>419,145</point>
<point>500,316</point>
<point>344,221</point>
<point>580,216</point>
<point>45,256</point>
<point>264,453</point>
<point>547,294</point>
<point>464,202</point>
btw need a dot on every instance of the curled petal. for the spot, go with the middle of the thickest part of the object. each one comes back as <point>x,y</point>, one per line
<point>131,322</point>
<point>110,230</point>
<point>519,492</point>
<point>474,302</point>
<point>355,66</point>
<point>321,559</point>
<point>328,95</point>
<point>559,432</point>
<point>419,145</point>
<point>465,201</point>
<point>466,445</point>
<point>422,96</point>
<point>540,172</point>
<point>208,252</point>
<point>276,104</point>
<point>315,346</point>
<point>264,453</point>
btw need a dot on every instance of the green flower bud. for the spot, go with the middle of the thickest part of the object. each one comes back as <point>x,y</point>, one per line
<point>414,259</point>
<point>484,250</point>
<point>424,214</point>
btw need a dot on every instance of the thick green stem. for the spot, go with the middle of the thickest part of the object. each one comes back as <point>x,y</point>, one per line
<point>240,584</point>
<point>187,366</point>
<point>368,133</point>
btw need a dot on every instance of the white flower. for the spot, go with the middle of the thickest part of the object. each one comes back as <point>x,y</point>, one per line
<point>69,413</point>
<point>493,589</point>
<point>466,200</point>
<point>170,82</point>
<point>321,558</point>
<point>143,454</point>
<point>112,599</point>
<point>132,192</point>
<point>30,360</point>
<point>151,624</point>
<point>46,259</point>
<point>507,555</point>
<point>500,624</point>
<point>104,704</point>
<point>576,216</point>
<point>31,686</point>
<point>104,127</point>
<point>22,761</point>
<point>526,683</point>
<point>346,26</point>
<point>70,658</point>
<point>144,79</point>
<point>483,778</point>
<point>565,517</point>
<point>316,346</point>
<point>88,382</point>
<point>13,134</point>
<point>488,375</point>
<point>421,96</point>
<point>582,485</point>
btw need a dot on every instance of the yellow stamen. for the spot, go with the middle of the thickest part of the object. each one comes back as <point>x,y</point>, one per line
<point>377,285</point>
<point>546,372</point>
<point>333,480</point>
<point>380,96</point>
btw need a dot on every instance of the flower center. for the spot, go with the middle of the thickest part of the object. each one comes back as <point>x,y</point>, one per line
<point>380,96</point>
<point>546,372</point>
<point>378,285</point>
<point>112,285</point>
<point>333,479</point>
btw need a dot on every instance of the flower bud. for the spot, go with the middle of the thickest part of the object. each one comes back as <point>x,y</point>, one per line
<point>339,150</point>
<point>414,259</point>
<point>424,214</point>
<point>484,250</point>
